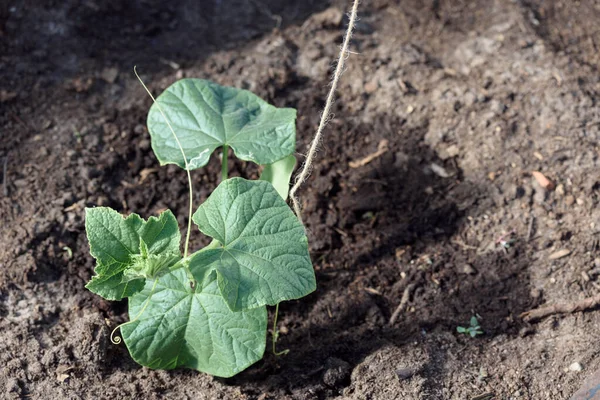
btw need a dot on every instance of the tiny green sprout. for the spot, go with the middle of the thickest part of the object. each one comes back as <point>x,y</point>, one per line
<point>473,330</point>
<point>78,135</point>
<point>69,252</point>
<point>206,309</point>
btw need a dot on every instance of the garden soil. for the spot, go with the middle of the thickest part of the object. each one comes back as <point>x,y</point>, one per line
<point>422,205</point>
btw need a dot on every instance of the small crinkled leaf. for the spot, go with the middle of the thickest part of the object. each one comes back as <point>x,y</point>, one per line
<point>161,234</point>
<point>128,249</point>
<point>279,174</point>
<point>193,328</point>
<point>205,116</point>
<point>264,255</point>
<point>151,265</point>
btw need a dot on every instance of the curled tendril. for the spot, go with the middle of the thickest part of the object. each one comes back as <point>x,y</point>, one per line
<point>117,339</point>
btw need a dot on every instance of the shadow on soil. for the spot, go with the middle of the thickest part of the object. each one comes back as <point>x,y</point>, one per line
<point>75,40</point>
<point>395,217</point>
<point>413,212</point>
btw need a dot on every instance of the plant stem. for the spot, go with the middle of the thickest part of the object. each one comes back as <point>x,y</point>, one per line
<point>275,334</point>
<point>189,176</point>
<point>224,169</point>
<point>190,212</point>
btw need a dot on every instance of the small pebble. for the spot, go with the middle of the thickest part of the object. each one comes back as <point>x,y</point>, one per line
<point>559,254</point>
<point>468,269</point>
<point>575,367</point>
<point>404,373</point>
<point>569,200</point>
<point>371,86</point>
<point>439,170</point>
<point>542,180</point>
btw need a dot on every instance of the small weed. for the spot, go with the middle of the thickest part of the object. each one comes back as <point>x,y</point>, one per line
<point>473,329</point>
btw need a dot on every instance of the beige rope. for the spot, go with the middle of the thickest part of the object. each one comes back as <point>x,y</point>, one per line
<point>339,70</point>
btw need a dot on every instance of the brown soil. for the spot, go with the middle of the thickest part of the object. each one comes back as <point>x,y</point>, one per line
<point>471,95</point>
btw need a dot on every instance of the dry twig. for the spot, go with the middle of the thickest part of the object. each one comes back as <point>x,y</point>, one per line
<point>382,148</point>
<point>405,297</point>
<point>586,304</point>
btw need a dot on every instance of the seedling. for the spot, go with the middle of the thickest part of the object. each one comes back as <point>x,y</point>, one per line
<point>473,330</point>
<point>206,310</point>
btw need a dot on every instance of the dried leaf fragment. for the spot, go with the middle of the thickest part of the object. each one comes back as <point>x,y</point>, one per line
<point>62,373</point>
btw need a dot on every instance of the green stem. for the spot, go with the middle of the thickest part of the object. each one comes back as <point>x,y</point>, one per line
<point>224,169</point>
<point>275,334</point>
<point>190,213</point>
<point>189,176</point>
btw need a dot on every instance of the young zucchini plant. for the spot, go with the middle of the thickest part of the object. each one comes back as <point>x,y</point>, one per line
<point>207,310</point>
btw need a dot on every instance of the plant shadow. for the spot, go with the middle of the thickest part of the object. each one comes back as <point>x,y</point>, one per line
<point>398,225</point>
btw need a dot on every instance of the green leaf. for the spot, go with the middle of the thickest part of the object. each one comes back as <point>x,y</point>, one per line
<point>263,258</point>
<point>474,322</point>
<point>193,328</point>
<point>206,115</point>
<point>113,287</point>
<point>279,174</point>
<point>128,250</point>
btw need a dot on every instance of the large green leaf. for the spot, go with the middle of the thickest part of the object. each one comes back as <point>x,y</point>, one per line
<point>128,250</point>
<point>263,258</point>
<point>279,174</point>
<point>206,115</point>
<point>193,328</point>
